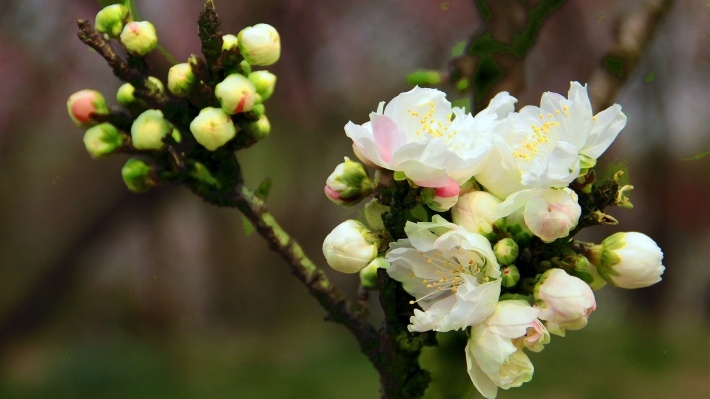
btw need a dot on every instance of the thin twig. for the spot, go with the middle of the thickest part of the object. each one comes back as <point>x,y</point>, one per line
<point>634,32</point>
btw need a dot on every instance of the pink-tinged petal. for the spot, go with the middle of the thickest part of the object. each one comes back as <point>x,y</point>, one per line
<point>388,137</point>
<point>451,189</point>
<point>332,193</point>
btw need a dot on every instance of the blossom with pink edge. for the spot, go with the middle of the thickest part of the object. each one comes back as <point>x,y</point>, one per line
<point>441,199</point>
<point>494,352</point>
<point>565,301</point>
<point>420,135</point>
<point>548,213</point>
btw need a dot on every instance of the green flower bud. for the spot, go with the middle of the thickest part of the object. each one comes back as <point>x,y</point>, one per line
<point>110,19</point>
<point>260,44</point>
<point>102,140</point>
<point>583,269</point>
<point>229,42</point>
<point>506,251</point>
<point>149,129</point>
<point>85,103</point>
<point>155,85</point>
<point>264,82</point>
<point>236,94</point>
<point>139,38</point>
<point>180,79</point>
<point>136,175</point>
<point>258,129</point>
<point>244,68</point>
<point>213,128</point>
<point>348,184</point>
<point>368,275</point>
<point>510,275</point>
<point>124,95</point>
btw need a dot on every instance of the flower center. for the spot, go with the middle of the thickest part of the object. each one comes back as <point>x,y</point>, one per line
<point>448,273</point>
<point>432,127</point>
<point>540,135</point>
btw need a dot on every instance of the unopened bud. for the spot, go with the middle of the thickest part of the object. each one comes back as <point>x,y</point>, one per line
<point>509,275</point>
<point>628,260</point>
<point>149,129</point>
<point>229,42</point>
<point>441,199</point>
<point>136,175</point>
<point>102,140</point>
<point>259,129</point>
<point>260,44</point>
<point>155,85</point>
<point>139,38</point>
<point>124,95</point>
<point>264,82</point>
<point>476,212</point>
<point>212,128</point>
<point>350,247</point>
<point>368,275</point>
<point>348,184</point>
<point>110,19</point>
<point>85,103</point>
<point>506,251</point>
<point>583,269</point>
<point>236,94</point>
<point>180,79</point>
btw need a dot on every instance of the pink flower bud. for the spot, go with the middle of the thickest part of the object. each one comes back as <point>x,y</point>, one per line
<point>565,302</point>
<point>236,94</point>
<point>85,103</point>
<point>139,38</point>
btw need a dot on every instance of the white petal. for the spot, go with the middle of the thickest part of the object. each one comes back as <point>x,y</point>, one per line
<point>480,379</point>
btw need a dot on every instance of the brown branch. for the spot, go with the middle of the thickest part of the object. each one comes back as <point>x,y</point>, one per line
<point>135,72</point>
<point>340,310</point>
<point>495,55</point>
<point>392,350</point>
<point>634,32</point>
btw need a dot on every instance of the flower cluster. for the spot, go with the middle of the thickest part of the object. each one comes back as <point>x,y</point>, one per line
<point>475,217</point>
<point>212,104</point>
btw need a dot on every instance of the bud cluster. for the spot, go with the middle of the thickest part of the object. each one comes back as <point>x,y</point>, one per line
<point>222,98</point>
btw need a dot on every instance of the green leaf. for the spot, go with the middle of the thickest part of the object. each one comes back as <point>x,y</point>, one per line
<point>424,77</point>
<point>247,226</point>
<point>697,156</point>
<point>484,10</point>
<point>650,77</point>
<point>615,65</point>
<point>458,49</point>
<point>464,103</point>
<point>264,188</point>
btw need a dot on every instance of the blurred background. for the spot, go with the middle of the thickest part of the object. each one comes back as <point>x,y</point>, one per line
<point>107,294</point>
